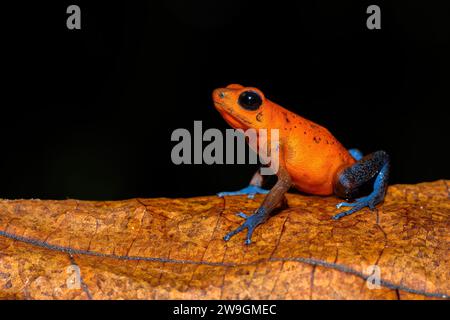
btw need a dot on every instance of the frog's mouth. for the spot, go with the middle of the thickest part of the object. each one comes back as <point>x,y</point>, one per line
<point>231,117</point>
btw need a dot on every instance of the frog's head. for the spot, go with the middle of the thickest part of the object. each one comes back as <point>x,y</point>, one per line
<point>242,107</point>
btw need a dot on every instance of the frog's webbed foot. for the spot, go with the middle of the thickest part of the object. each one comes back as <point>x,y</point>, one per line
<point>356,206</point>
<point>251,222</point>
<point>250,191</point>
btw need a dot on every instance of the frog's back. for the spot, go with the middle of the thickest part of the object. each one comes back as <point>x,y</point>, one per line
<point>312,155</point>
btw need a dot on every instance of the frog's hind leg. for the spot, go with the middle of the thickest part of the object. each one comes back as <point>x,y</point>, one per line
<point>255,187</point>
<point>352,178</point>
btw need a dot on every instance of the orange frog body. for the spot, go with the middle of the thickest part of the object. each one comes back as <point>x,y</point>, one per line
<point>310,158</point>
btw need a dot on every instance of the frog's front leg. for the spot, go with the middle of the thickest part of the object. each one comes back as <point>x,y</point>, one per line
<point>271,201</point>
<point>350,179</point>
<point>255,187</point>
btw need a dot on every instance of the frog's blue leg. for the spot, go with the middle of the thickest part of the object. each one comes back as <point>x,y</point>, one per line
<point>253,188</point>
<point>353,177</point>
<point>356,154</point>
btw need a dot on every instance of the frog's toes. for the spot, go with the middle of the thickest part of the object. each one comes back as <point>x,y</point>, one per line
<point>345,204</point>
<point>346,213</point>
<point>251,222</point>
<point>242,215</point>
<point>250,191</point>
<point>369,201</point>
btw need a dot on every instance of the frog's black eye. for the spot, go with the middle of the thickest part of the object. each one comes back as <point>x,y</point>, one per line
<point>250,100</point>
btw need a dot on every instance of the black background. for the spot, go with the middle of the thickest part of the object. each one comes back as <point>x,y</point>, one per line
<point>164,309</point>
<point>89,113</point>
